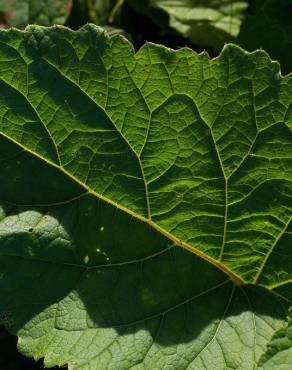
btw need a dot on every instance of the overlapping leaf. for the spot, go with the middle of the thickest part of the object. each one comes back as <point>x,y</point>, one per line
<point>128,181</point>
<point>279,353</point>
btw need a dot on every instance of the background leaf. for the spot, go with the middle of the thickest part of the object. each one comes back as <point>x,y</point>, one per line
<point>207,23</point>
<point>19,13</point>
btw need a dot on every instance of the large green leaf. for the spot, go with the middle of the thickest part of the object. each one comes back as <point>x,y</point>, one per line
<point>145,202</point>
<point>211,22</point>
<point>20,13</point>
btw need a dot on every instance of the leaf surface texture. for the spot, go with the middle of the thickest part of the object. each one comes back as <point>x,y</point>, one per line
<point>138,193</point>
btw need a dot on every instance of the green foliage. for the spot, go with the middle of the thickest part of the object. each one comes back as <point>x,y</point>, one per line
<point>279,353</point>
<point>145,202</point>
<point>20,13</point>
<point>10,358</point>
<point>207,23</point>
<point>101,10</point>
<point>198,23</point>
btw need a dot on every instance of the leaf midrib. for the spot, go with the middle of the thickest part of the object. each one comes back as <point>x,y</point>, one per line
<point>143,219</point>
<point>148,220</point>
<point>218,263</point>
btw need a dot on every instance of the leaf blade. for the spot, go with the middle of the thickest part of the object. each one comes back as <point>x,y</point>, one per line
<point>166,121</point>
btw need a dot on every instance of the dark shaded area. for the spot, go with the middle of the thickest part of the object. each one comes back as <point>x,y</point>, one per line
<point>11,359</point>
<point>139,27</point>
<point>145,30</point>
<point>79,14</point>
<point>268,25</point>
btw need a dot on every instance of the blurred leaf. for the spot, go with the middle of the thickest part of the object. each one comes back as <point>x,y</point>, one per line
<point>100,10</point>
<point>20,13</point>
<point>210,23</point>
<point>104,13</point>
